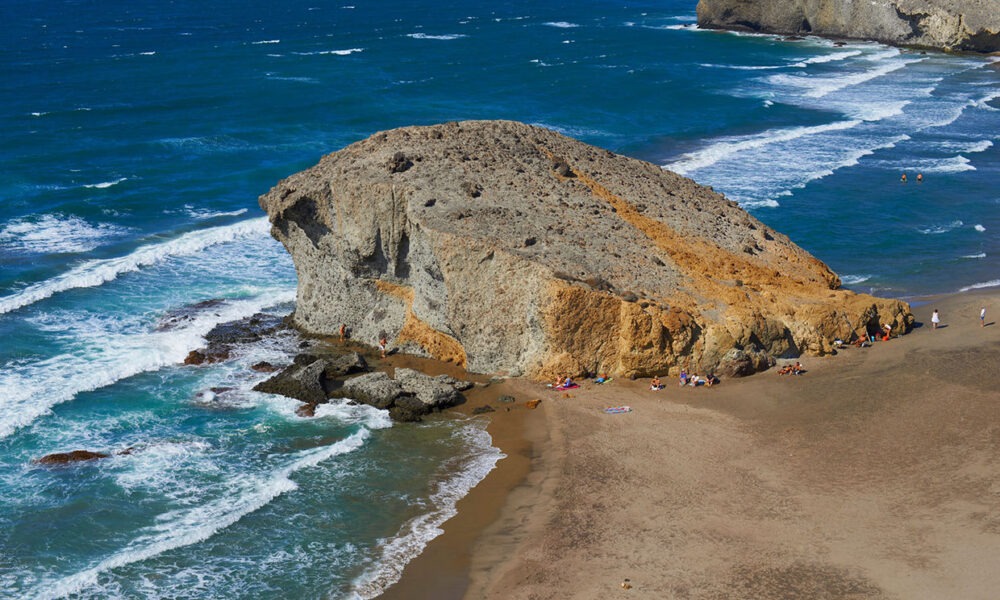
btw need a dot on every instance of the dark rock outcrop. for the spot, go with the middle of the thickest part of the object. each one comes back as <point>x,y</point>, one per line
<point>631,269</point>
<point>63,458</point>
<point>302,382</point>
<point>966,25</point>
<point>223,337</point>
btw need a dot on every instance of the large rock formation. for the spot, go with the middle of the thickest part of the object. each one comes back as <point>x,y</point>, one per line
<point>969,25</point>
<point>510,248</point>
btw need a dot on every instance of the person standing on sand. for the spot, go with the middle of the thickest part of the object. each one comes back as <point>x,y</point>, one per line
<point>935,319</point>
<point>382,343</point>
<point>982,317</point>
<point>343,331</point>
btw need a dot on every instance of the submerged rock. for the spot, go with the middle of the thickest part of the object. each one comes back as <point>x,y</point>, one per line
<point>62,458</point>
<point>630,269</point>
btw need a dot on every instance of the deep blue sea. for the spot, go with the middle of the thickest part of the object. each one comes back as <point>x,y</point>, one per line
<point>137,136</point>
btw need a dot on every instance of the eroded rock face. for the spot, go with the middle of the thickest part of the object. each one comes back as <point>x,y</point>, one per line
<point>510,248</point>
<point>968,25</point>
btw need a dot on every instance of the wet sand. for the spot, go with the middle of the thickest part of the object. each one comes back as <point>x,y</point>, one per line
<point>872,475</point>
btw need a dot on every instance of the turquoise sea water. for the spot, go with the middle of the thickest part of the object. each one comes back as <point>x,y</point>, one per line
<point>137,136</point>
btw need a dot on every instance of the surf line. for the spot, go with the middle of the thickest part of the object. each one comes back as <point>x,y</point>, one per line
<point>97,272</point>
<point>197,524</point>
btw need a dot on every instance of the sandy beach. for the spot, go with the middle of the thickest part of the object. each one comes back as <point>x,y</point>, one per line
<point>872,475</point>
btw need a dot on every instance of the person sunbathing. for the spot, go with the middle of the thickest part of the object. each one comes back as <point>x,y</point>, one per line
<point>785,370</point>
<point>684,378</point>
<point>655,384</point>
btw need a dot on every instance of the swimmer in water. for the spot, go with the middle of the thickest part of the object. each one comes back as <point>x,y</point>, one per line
<point>903,178</point>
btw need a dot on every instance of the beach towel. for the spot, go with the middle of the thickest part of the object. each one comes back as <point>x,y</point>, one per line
<point>567,387</point>
<point>617,410</point>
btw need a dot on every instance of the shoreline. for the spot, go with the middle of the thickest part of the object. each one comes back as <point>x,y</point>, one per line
<point>779,459</point>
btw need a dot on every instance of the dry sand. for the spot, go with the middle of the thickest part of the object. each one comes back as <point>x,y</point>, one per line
<point>873,475</point>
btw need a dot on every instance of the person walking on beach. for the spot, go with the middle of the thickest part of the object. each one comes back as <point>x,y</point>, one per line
<point>935,319</point>
<point>982,317</point>
<point>382,343</point>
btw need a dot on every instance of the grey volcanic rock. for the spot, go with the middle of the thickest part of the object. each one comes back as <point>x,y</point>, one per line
<point>302,382</point>
<point>968,25</point>
<point>434,393</point>
<point>377,389</point>
<point>512,249</point>
<point>347,364</point>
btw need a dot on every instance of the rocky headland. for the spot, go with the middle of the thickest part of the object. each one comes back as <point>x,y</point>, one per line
<point>508,248</point>
<point>960,25</point>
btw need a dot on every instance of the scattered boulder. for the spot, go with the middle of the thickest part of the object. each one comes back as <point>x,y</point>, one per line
<point>482,410</point>
<point>375,389</point>
<point>506,399</point>
<point>303,383</point>
<point>63,458</point>
<point>347,364</point>
<point>740,363</point>
<point>433,392</point>
<point>306,410</point>
<point>263,367</point>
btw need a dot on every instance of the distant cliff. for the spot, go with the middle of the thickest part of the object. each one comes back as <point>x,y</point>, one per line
<point>966,25</point>
<point>510,248</point>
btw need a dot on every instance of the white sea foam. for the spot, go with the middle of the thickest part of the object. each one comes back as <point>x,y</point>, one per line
<point>105,184</point>
<point>825,58</point>
<point>980,255</point>
<point>204,213</point>
<point>561,24</point>
<point>414,535</point>
<point>767,203</point>
<point>939,229</point>
<point>979,228</point>
<point>427,36</point>
<point>979,286</point>
<point>161,468</point>
<point>267,42</point>
<point>93,273</point>
<point>193,525</point>
<point>31,390</point>
<point>954,164</point>
<point>55,233</point>
<point>327,52</point>
<point>741,67</point>
<point>150,53</point>
<point>818,87</point>
<point>728,147</point>
<point>854,279</point>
